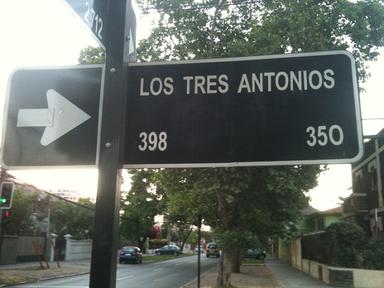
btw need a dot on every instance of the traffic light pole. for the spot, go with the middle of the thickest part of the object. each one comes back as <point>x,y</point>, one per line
<point>104,248</point>
<point>2,178</point>
<point>198,250</point>
<point>1,233</point>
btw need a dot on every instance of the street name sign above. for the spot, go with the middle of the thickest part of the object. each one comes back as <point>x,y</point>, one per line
<point>93,14</point>
<point>269,110</point>
<point>52,117</point>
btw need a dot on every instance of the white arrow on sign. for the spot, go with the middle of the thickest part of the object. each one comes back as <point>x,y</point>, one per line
<point>61,117</point>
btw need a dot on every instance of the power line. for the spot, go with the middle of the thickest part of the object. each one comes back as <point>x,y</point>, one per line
<point>369,119</point>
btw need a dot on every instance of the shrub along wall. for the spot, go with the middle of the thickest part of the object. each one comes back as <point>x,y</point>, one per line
<point>344,244</point>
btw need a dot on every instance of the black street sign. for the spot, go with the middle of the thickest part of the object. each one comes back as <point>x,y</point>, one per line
<point>269,110</point>
<point>52,117</point>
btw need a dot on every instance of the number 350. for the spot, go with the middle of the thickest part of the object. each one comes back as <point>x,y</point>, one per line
<point>321,135</point>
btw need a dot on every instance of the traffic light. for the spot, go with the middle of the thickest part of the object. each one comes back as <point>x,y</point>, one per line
<point>6,217</point>
<point>7,214</point>
<point>6,195</point>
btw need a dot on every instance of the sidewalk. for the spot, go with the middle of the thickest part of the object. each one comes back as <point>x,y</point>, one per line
<point>250,276</point>
<point>289,277</point>
<point>31,271</point>
<point>274,274</point>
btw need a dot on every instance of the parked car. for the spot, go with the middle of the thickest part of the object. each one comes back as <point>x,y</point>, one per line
<point>168,250</point>
<point>130,254</point>
<point>212,250</point>
<point>255,253</point>
<point>201,249</point>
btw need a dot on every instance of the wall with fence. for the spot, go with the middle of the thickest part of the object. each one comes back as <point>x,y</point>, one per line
<point>78,249</point>
<point>16,249</point>
<point>335,276</point>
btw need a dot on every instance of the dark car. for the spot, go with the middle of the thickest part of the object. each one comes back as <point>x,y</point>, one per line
<point>255,253</point>
<point>212,250</point>
<point>130,254</point>
<point>168,250</point>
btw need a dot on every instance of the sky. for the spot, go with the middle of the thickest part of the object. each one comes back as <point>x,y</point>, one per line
<point>46,33</point>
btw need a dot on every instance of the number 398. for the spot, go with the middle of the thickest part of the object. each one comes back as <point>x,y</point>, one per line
<point>153,141</point>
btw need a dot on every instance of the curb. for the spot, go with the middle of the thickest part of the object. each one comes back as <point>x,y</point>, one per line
<point>201,276</point>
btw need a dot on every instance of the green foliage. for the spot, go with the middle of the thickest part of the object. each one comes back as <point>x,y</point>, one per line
<point>193,237</point>
<point>188,29</point>
<point>31,211</point>
<point>157,243</point>
<point>348,239</point>
<point>20,222</point>
<point>373,255</point>
<point>254,199</point>
<point>76,219</point>
<point>325,25</point>
<point>139,206</point>
<point>346,233</point>
<point>344,244</point>
<point>92,55</point>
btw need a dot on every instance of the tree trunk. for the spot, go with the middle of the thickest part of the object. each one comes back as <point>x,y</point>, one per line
<point>236,261</point>
<point>185,240</point>
<point>224,275</point>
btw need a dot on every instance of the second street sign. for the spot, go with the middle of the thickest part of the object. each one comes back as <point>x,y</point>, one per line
<point>52,117</point>
<point>270,110</point>
<point>93,14</point>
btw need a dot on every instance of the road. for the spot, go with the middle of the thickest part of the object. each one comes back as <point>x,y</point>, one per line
<point>167,274</point>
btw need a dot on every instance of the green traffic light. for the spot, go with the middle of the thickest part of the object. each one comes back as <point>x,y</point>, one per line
<point>3,200</point>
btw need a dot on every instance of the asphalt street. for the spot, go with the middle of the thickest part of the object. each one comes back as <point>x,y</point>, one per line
<point>166,274</point>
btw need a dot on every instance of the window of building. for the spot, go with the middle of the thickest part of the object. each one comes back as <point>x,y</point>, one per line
<point>372,175</point>
<point>357,182</point>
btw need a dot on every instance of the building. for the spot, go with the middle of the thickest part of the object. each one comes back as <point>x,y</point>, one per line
<point>366,203</point>
<point>319,220</point>
<point>71,195</point>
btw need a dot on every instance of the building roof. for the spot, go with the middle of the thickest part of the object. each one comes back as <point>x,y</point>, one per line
<point>309,210</point>
<point>336,210</point>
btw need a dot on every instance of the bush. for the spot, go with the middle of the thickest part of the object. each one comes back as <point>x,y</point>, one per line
<point>347,240</point>
<point>373,255</point>
<point>157,243</point>
<point>344,244</point>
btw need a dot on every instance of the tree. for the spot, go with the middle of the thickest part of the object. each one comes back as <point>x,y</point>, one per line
<point>74,218</point>
<point>34,211</point>
<point>139,207</point>
<point>20,223</point>
<point>237,201</point>
<point>223,28</point>
<point>92,55</point>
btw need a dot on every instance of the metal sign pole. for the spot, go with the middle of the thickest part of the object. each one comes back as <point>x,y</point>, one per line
<point>104,249</point>
<point>198,250</point>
